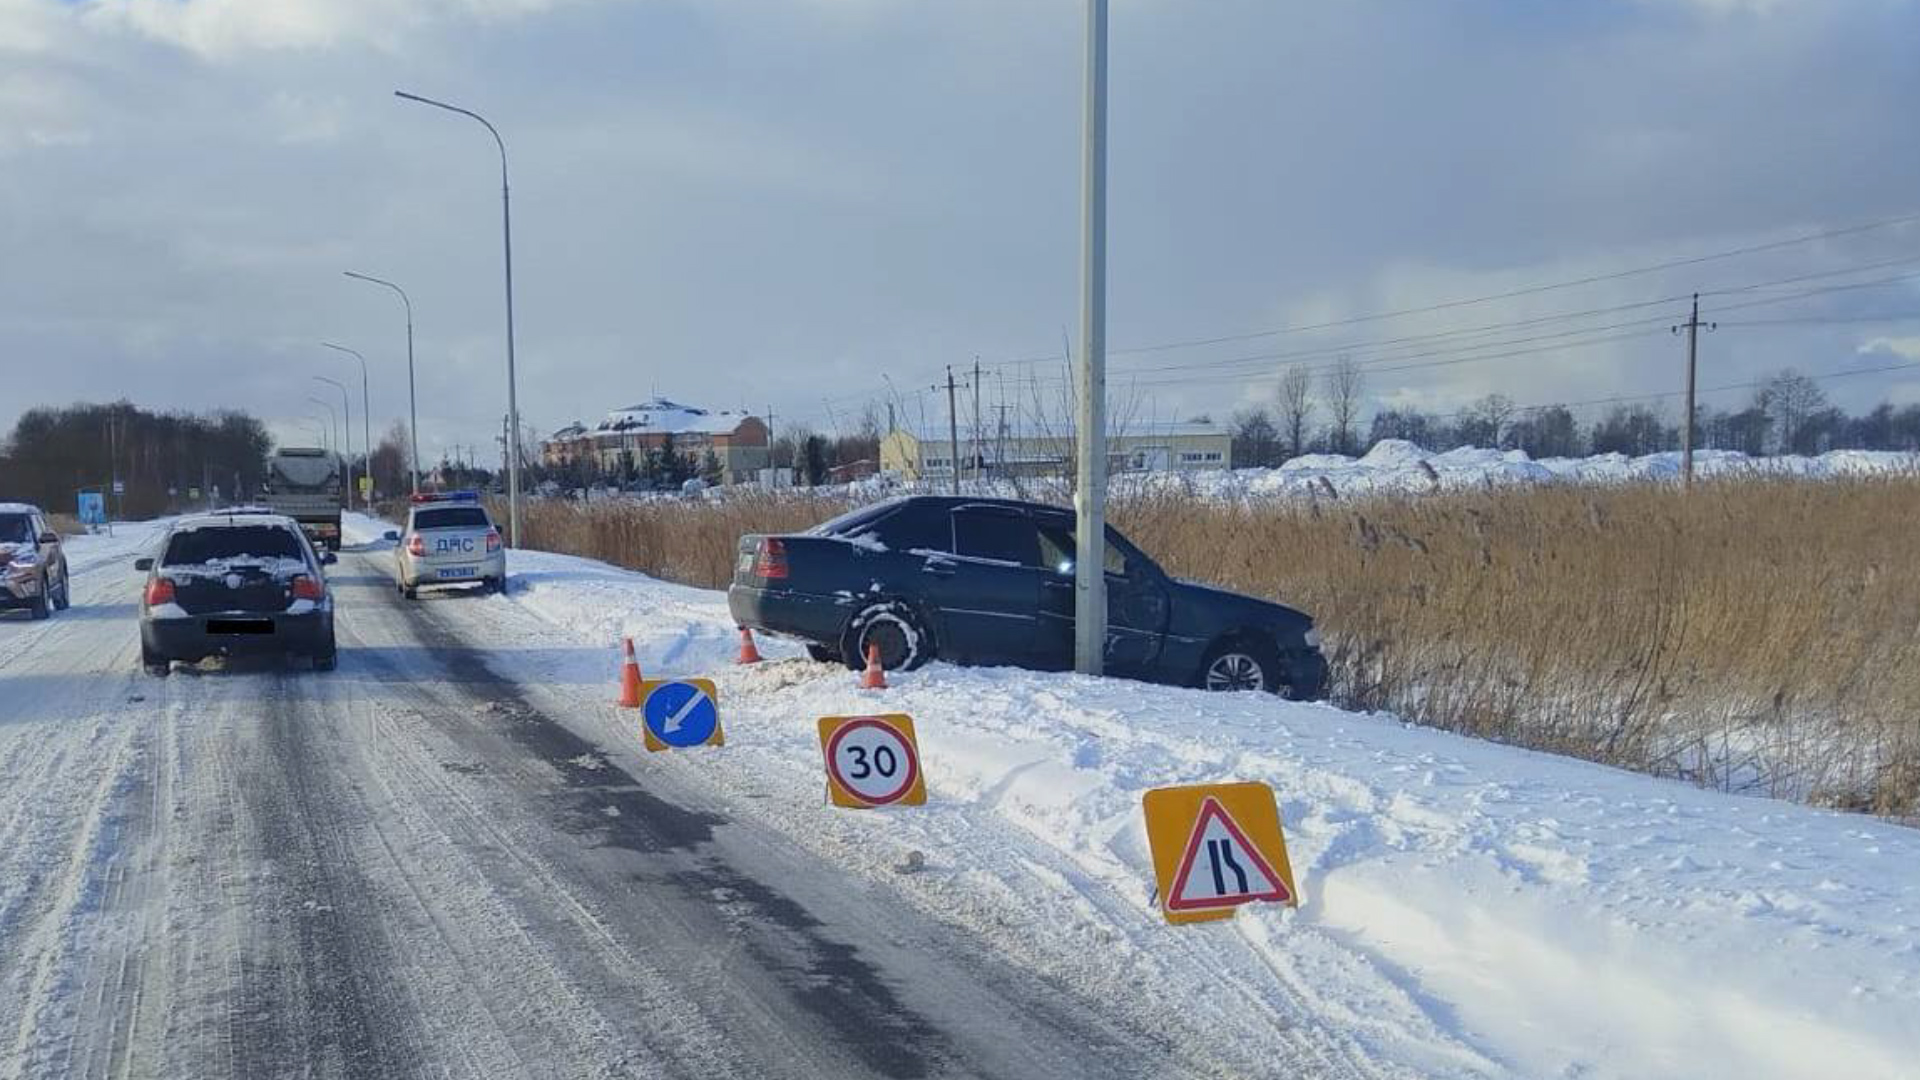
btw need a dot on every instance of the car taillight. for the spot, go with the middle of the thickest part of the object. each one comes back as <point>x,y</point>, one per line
<point>159,591</point>
<point>417,545</point>
<point>493,541</point>
<point>771,561</point>
<point>308,588</point>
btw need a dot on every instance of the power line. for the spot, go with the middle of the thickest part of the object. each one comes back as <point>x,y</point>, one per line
<point>1511,294</point>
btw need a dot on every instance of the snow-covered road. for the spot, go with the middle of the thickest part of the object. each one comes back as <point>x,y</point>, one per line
<point>411,868</point>
<point>451,858</point>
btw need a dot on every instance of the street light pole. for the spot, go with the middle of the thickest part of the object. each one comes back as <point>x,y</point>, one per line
<point>513,399</point>
<point>366,423</point>
<point>413,403</point>
<point>346,406</point>
<point>335,418</point>
<point>1090,481</point>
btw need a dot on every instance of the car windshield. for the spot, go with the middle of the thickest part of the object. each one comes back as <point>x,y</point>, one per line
<point>197,546</point>
<point>16,529</point>
<point>451,517</point>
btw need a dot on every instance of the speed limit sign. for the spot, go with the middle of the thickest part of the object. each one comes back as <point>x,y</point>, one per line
<point>872,761</point>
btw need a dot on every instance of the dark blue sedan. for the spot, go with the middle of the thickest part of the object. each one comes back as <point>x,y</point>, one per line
<point>990,581</point>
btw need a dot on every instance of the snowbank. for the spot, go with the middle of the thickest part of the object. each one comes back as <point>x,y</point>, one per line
<point>1469,909</point>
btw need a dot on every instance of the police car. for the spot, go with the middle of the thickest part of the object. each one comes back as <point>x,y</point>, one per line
<point>449,540</point>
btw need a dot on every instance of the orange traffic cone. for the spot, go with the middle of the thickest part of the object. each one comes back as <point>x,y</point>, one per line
<point>630,680</point>
<point>875,677</point>
<point>748,653</point>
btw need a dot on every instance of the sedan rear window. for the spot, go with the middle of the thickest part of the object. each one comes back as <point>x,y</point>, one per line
<point>232,542</point>
<point>451,517</point>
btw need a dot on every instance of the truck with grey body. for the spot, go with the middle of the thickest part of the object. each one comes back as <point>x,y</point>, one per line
<point>304,483</point>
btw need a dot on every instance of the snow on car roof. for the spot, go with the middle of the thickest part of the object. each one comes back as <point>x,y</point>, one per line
<point>19,508</point>
<point>223,521</point>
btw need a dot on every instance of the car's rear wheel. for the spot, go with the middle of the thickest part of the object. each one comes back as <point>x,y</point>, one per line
<point>823,654</point>
<point>1241,664</point>
<point>42,606</point>
<point>904,642</point>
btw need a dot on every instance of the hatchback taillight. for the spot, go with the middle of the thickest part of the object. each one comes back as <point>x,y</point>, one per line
<point>159,591</point>
<point>308,588</point>
<point>493,541</point>
<point>417,546</point>
<point>771,561</point>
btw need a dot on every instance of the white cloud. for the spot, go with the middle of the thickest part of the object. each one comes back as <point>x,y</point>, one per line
<point>1907,348</point>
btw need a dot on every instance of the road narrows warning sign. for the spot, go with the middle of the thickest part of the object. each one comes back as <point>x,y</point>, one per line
<point>1216,847</point>
<point>872,761</point>
<point>1228,872</point>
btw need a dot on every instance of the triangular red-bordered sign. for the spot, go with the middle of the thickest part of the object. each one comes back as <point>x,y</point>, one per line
<point>1274,887</point>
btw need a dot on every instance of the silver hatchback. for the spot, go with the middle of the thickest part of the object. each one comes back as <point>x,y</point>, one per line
<point>449,541</point>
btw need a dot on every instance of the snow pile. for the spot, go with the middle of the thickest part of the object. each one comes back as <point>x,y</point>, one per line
<point>1469,909</point>
<point>1398,467</point>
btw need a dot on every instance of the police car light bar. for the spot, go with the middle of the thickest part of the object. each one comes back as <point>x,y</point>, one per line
<point>447,496</point>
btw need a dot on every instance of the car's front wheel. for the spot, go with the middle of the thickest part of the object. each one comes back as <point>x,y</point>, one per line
<point>903,641</point>
<point>63,599</point>
<point>42,604</point>
<point>1241,664</point>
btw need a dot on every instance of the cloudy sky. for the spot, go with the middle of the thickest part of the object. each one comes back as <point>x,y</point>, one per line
<point>815,205</point>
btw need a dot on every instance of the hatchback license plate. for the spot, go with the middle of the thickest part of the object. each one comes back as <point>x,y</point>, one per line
<point>239,626</point>
<point>459,572</point>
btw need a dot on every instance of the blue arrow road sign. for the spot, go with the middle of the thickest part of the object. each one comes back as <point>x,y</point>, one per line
<point>680,714</point>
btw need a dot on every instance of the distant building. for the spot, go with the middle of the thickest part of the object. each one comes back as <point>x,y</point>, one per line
<point>1173,447</point>
<point>737,440</point>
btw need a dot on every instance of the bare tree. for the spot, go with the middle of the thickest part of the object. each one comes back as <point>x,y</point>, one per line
<point>1789,399</point>
<point>1296,408</point>
<point>1345,384</point>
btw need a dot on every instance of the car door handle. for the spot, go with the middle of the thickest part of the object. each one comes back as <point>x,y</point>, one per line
<point>937,569</point>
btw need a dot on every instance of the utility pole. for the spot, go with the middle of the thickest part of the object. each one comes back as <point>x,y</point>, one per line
<point>1692,327</point>
<point>1000,436</point>
<point>953,431</point>
<point>1090,481</point>
<point>978,465</point>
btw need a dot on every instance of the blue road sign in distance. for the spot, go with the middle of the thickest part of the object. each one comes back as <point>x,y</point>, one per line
<point>680,714</point>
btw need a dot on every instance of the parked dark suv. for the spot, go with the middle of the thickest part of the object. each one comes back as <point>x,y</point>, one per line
<point>33,565</point>
<point>235,584</point>
<point>990,581</point>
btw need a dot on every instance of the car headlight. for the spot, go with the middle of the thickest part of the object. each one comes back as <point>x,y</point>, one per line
<point>1312,637</point>
<point>25,560</point>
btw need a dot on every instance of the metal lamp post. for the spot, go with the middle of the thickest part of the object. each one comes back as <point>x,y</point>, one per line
<point>366,422</point>
<point>513,399</point>
<point>347,407</point>
<point>413,403</point>
<point>334,417</point>
<point>1090,481</point>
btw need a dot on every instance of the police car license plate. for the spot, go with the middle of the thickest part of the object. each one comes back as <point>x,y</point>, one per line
<point>459,572</point>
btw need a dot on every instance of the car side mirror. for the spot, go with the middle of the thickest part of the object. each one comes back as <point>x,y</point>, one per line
<point>49,537</point>
<point>390,535</point>
<point>328,558</point>
<point>143,564</point>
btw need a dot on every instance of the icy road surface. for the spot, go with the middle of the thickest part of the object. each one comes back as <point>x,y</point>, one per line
<point>412,868</point>
<point>451,858</point>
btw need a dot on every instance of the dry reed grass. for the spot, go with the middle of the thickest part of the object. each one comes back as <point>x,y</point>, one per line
<point>1757,634</point>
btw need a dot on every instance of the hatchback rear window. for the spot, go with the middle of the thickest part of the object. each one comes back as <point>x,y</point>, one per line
<point>451,517</point>
<point>232,542</point>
